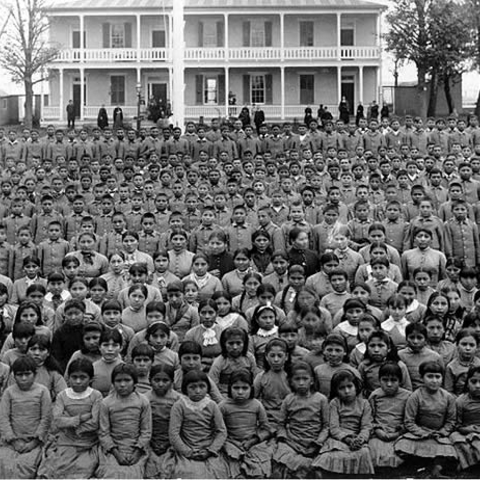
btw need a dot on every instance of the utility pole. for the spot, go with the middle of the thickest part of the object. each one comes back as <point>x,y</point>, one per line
<point>178,53</point>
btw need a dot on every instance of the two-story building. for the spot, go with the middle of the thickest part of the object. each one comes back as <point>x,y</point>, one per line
<point>282,55</point>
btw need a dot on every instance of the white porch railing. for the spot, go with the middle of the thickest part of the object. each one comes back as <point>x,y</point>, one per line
<point>204,54</point>
<point>51,113</point>
<point>112,55</point>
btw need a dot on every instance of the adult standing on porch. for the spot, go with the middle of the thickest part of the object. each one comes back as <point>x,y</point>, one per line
<point>344,110</point>
<point>360,113</point>
<point>71,114</point>
<point>117,117</point>
<point>102,117</point>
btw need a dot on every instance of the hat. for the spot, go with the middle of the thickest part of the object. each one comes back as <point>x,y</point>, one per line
<point>175,286</point>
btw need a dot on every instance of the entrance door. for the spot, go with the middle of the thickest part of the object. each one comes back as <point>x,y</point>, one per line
<point>348,91</point>
<point>159,91</point>
<point>76,99</point>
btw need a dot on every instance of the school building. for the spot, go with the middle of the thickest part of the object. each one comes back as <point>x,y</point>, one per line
<point>282,55</point>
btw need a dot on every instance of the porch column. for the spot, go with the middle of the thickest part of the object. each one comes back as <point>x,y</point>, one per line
<point>138,37</point>
<point>62,106</point>
<point>226,40</point>
<point>339,85</point>
<point>282,92</point>
<point>378,94</point>
<point>227,91</point>
<point>82,93</point>
<point>339,36</point>
<point>178,95</point>
<point>360,84</point>
<point>282,36</point>
<point>82,38</point>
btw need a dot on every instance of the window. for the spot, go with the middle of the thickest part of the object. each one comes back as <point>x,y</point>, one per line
<point>4,103</point>
<point>46,101</point>
<point>158,39</point>
<point>210,34</point>
<point>117,89</point>
<point>257,34</point>
<point>347,37</point>
<point>257,89</point>
<point>210,91</point>
<point>117,36</point>
<point>306,34</point>
<point>307,83</point>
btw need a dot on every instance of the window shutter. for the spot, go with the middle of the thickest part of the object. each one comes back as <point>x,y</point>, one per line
<point>200,34</point>
<point>246,34</point>
<point>246,89</point>
<point>128,35</point>
<point>220,34</point>
<point>268,90</point>
<point>199,89</point>
<point>268,34</point>
<point>106,35</point>
<point>221,89</point>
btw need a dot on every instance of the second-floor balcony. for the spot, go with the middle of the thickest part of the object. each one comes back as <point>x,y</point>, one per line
<point>219,54</point>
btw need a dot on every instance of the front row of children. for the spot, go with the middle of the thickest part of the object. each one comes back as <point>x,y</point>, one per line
<point>167,434</point>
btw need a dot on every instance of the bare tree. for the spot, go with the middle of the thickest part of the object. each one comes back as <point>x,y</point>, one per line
<point>25,50</point>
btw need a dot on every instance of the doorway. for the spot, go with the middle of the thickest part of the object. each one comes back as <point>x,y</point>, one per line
<point>76,96</point>
<point>348,91</point>
<point>159,92</point>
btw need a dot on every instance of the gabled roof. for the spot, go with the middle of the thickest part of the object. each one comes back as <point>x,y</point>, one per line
<point>159,5</point>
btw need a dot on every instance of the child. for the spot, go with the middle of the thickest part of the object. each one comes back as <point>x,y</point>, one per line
<point>68,338</point>
<point>191,293</point>
<point>23,249</point>
<point>452,269</point>
<point>90,349</point>
<point>31,269</point>
<point>349,260</point>
<point>232,281</point>
<point>303,425</point>
<point>388,407</point>
<point>335,301</point>
<point>320,281</point>
<point>397,322</point>
<point>162,397</point>
<point>315,357</point>
<point>25,414</point>
<point>438,305</point>
<point>435,339</point>
<point>289,331</point>
<point>48,372</point>
<point>278,278</point>
<point>162,276</point>
<point>157,336</point>
<point>235,356</point>
<point>415,310</point>
<point>465,438</point>
<point>429,420</point>
<point>457,369</point>
<point>468,287</point>
<point>353,310</point>
<point>416,352</point>
<point>335,356</point>
<point>21,335</point>
<point>346,451</point>
<point>367,325</point>
<point>73,454</point>
<point>248,430</point>
<point>207,283</point>
<point>248,298</point>
<point>125,428</point>
<point>381,286</point>
<point>264,327</point>
<point>227,317</point>
<point>98,290</point>
<point>134,316</point>
<point>271,385</point>
<point>197,432</point>
<point>380,349</point>
<point>142,359</point>
<point>220,260</point>
<point>423,280</point>
<point>110,347</point>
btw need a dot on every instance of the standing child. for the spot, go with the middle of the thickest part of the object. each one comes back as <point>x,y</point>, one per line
<point>125,428</point>
<point>416,352</point>
<point>248,453</point>
<point>74,452</point>
<point>271,385</point>
<point>430,417</point>
<point>466,437</point>
<point>335,356</point>
<point>31,270</point>
<point>25,414</point>
<point>303,426</point>
<point>457,370</point>
<point>380,349</point>
<point>346,450</point>
<point>264,328</point>
<point>388,408</point>
<point>197,432</point>
<point>161,397</point>
<point>235,356</point>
